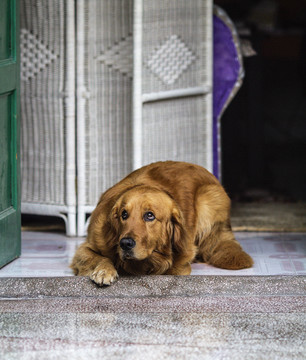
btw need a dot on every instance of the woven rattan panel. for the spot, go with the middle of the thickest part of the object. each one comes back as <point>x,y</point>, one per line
<point>108,80</point>
<point>172,130</point>
<point>42,36</point>
<point>176,48</point>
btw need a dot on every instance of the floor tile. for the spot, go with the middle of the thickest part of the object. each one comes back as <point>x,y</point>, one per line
<point>49,254</point>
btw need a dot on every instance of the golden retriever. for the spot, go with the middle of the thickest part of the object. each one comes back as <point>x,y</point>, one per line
<point>158,220</point>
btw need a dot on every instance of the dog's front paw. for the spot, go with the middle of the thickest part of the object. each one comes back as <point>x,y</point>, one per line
<point>102,276</point>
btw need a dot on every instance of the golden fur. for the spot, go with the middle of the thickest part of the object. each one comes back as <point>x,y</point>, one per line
<point>174,212</point>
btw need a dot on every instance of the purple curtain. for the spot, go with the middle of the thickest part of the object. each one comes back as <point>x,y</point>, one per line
<point>226,68</point>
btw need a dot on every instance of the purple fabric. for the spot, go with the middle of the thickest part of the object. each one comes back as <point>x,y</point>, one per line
<point>225,74</point>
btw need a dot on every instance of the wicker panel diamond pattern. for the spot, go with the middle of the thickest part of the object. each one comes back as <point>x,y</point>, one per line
<point>176,81</point>
<point>47,99</point>
<point>108,67</point>
<point>34,55</point>
<point>42,106</point>
<point>177,31</point>
<point>171,59</point>
<point>119,56</point>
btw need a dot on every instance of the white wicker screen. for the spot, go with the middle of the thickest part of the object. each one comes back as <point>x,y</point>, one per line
<point>140,78</point>
<point>47,109</point>
<point>104,88</point>
<point>173,81</point>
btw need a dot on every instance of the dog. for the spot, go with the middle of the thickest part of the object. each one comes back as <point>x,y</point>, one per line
<point>158,220</point>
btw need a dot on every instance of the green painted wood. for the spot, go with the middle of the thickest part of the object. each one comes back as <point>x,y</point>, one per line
<point>10,225</point>
<point>4,30</point>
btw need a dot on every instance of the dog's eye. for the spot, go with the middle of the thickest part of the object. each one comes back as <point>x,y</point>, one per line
<point>149,216</point>
<point>124,215</point>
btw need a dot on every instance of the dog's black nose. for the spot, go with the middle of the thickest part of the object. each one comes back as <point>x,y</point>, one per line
<point>127,244</point>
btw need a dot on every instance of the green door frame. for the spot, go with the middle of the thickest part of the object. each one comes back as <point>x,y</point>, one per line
<point>10,223</point>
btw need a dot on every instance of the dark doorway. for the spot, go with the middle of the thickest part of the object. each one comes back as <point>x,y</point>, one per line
<point>264,128</point>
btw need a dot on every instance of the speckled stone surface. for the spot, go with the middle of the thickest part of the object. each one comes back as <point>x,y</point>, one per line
<point>153,317</point>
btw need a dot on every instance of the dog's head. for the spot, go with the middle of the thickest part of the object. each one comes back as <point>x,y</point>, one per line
<point>149,228</point>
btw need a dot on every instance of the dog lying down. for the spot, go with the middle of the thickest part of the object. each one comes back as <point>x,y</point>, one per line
<point>158,220</point>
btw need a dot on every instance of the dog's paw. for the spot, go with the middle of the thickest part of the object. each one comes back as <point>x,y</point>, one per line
<point>102,276</point>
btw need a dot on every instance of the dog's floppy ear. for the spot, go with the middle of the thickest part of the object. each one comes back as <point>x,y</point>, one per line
<point>114,212</point>
<point>179,235</point>
<point>113,216</point>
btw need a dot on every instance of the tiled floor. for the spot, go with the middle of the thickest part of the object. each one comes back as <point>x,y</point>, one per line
<point>49,254</point>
